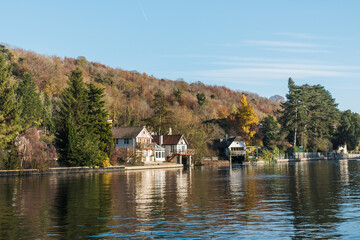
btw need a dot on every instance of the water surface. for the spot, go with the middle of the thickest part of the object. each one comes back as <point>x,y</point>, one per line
<point>278,201</point>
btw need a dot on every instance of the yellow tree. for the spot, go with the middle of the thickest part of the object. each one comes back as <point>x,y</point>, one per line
<point>246,119</point>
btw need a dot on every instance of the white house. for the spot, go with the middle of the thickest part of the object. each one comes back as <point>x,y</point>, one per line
<point>175,146</point>
<point>137,139</point>
<point>236,147</point>
<point>233,148</point>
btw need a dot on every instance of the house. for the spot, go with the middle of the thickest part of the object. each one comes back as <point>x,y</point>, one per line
<point>232,148</point>
<point>135,139</point>
<point>176,148</point>
<point>160,153</point>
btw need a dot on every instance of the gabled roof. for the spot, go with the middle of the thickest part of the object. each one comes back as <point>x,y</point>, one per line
<point>169,139</point>
<point>126,132</point>
<point>225,142</point>
<point>237,139</point>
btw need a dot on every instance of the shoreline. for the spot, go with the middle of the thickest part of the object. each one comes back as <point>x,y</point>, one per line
<point>66,170</point>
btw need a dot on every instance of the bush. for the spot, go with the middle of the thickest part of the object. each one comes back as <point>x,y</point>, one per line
<point>105,163</point>
<point>266,155</point>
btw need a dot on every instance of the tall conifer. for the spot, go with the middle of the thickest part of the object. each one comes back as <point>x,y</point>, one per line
<point>98,116</point>
<point>9,107</point>
<point>83,135</point>
<point>31,108</point>
<point>72,120</point>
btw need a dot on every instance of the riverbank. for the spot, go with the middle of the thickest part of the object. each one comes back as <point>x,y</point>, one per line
<point>287,160</point>
<point>317,158</point>
<point>65,170</point>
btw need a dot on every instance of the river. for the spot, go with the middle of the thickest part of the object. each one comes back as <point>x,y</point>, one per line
<point>275,201</point>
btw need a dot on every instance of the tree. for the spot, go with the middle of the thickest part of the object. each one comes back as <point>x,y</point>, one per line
<point>309,114</point>
<point>324,118</point>
<point>161,118</point>
<point>98,117</point>
<point>77,145</point>
<point>348,132</point>
<point>290,111</point>
<point>270,130</point>
<point>244,119</point>
<point>201,99</point>
<point>47,115</point>
<point>178,95</point>
<point>10,109</point>
<point>31,107</point>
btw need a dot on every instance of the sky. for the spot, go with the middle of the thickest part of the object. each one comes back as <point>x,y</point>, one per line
<point>252,46</point>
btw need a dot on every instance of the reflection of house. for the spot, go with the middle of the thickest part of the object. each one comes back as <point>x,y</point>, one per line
<point>175,147</point>
<point>232,148</point>
<point>136,139</point>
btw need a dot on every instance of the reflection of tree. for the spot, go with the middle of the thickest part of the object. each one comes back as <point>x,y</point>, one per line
<point>316,199</point>
<point>83,205</point>
<point>24,207</point>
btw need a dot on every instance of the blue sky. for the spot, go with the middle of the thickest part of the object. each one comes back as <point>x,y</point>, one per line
<point>245,45</point>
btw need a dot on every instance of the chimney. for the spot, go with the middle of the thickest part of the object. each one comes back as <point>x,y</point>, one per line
<point>170,131</point>
<point>161,140</point>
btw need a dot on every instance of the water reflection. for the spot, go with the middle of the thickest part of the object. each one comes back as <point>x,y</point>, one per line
<point>301,200</point>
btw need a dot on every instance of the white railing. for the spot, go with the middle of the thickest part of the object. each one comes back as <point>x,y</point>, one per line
<point>237,153</point>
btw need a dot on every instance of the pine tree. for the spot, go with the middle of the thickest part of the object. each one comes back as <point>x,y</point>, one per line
<point>98,116</point>
<point>83,137</point>
<point>9,107</point>
<point>270,130</point>
<point>309,114</point>
<point>290,111</point>
<point>32,108</point>
<point>47,115</point>
<point>76,144</point>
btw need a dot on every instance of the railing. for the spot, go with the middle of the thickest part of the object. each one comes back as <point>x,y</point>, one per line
<point>317,155</point>
<point>237,153</point>
<point>184,151</point>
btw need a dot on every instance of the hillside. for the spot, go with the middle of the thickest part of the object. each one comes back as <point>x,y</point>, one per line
<point>129,93</point>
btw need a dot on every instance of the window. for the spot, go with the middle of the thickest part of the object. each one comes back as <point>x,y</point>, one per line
<point>126,140</point>
<point>172,147</point>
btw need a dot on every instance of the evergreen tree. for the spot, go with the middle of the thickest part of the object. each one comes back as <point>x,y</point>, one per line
<point>77,145</point>
<point>98,117</point>
<point>47,116</point>
<point>348,133</point>
<point>290,111</point>
<point>324,118</point>
<point>309,114</point>
<point>201,99</point>
<point>270,130</point>
<point>9,107</point>
<point>31,108</point>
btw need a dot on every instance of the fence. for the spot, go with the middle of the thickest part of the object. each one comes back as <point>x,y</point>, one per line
<point>317,155</point>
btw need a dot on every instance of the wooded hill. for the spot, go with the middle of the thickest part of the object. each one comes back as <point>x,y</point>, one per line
<point>50,101</point>
<point>129,94</point>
